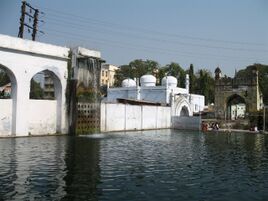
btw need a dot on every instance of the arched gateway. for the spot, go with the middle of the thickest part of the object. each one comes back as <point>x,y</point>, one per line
<point>234,98</point>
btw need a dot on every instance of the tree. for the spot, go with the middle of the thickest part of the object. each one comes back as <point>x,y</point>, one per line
<point>192,78</point>
<point>206,84</point>
<point>36,90</point>
<point>4,78</point>
<point>173,69</point>
<point>246,74</point>
<point>136,69</point>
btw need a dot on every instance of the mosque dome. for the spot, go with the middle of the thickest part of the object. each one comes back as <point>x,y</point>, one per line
<point>128,83</point>
<point>148,81</point>
<point>170,80</point>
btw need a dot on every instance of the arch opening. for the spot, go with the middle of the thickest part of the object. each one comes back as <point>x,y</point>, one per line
<point>6,83</point>
<point>8,96</point>
<point>45,97</point>
<point>236,107</point>
<point>44,86</point>
<point>184,112</point>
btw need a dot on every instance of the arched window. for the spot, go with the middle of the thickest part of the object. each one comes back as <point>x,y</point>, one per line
<point>43,85</point>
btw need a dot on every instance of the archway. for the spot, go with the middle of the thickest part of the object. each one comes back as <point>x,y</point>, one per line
<point>46,96</point>
<point>182,107</point>
<point>236,107</point>
<point>184,112</point>
<point>8,98</point>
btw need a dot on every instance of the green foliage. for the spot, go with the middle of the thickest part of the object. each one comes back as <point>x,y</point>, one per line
<point>263,78</point>
<point>122,73</point>
<point>4,78</point>
<point>192,78</point>
<point>135,69</point>
<point>173,69</point>
<point>205,85</point>
<point>36,90</point>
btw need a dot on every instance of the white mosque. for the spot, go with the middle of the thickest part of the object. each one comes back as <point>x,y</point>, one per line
<point>182,103</point>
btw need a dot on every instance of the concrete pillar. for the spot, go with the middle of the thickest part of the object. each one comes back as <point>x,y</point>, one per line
<point>20,105</point>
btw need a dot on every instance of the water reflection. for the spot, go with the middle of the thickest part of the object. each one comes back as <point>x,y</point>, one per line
<point>150,165</point>
<point>82,169</point>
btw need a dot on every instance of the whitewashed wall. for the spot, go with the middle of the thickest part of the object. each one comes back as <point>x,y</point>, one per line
<point>45,120</point>
<point>5,117</point>
<point>24,58</point>
<point>197,102</point>
<point>121,117</point>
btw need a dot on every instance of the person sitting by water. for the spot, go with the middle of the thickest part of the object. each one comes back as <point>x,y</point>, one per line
<point>217,126</point>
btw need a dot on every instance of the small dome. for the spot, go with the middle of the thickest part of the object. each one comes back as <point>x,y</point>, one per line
<point>170,80</point>
<point>128,83</point>
<point>148,81</point>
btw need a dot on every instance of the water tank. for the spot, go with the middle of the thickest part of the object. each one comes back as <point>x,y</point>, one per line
<point>148,81</point>
<point>128,83</point>
<point>170,80</point>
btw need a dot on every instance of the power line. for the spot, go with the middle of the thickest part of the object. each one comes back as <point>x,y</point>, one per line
<point>26,10</point>
<point>174,42</point>
<point>63,34</point>
<point>110,24</point>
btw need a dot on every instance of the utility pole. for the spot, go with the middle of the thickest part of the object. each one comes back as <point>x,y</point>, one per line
<point>22,18</point>
<point>24,13</point>
<point>35,24</point>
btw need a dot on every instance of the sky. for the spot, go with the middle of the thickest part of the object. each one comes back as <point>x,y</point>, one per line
<point>207,33</point>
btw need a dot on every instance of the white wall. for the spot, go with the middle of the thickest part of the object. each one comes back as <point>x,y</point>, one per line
<point>24,59</point>
<point>126,93</point>
<point>5,117</point>
<point>120,117</point>
<point>45,120</point>
<point>197,102</point>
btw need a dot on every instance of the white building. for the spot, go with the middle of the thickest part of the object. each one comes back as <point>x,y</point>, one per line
<point>145,106</point>
<point>182,102</point>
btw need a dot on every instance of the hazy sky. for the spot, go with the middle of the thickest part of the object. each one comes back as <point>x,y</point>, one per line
<point>207,33</point>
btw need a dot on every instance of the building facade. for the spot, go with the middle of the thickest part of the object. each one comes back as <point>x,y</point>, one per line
<point>107,75</point>
<point>179,99</point>
<point>235,98</point>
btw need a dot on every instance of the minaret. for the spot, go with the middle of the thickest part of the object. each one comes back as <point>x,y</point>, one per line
<point>217,73</point>
<point>187,83</point>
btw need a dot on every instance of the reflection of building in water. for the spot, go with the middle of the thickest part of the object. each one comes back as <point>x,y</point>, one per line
<point>235,97</point>
<point>107,74</point>
<point>82,159</point>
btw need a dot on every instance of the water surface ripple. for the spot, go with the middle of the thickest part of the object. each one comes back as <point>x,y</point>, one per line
<point>148,165</point>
